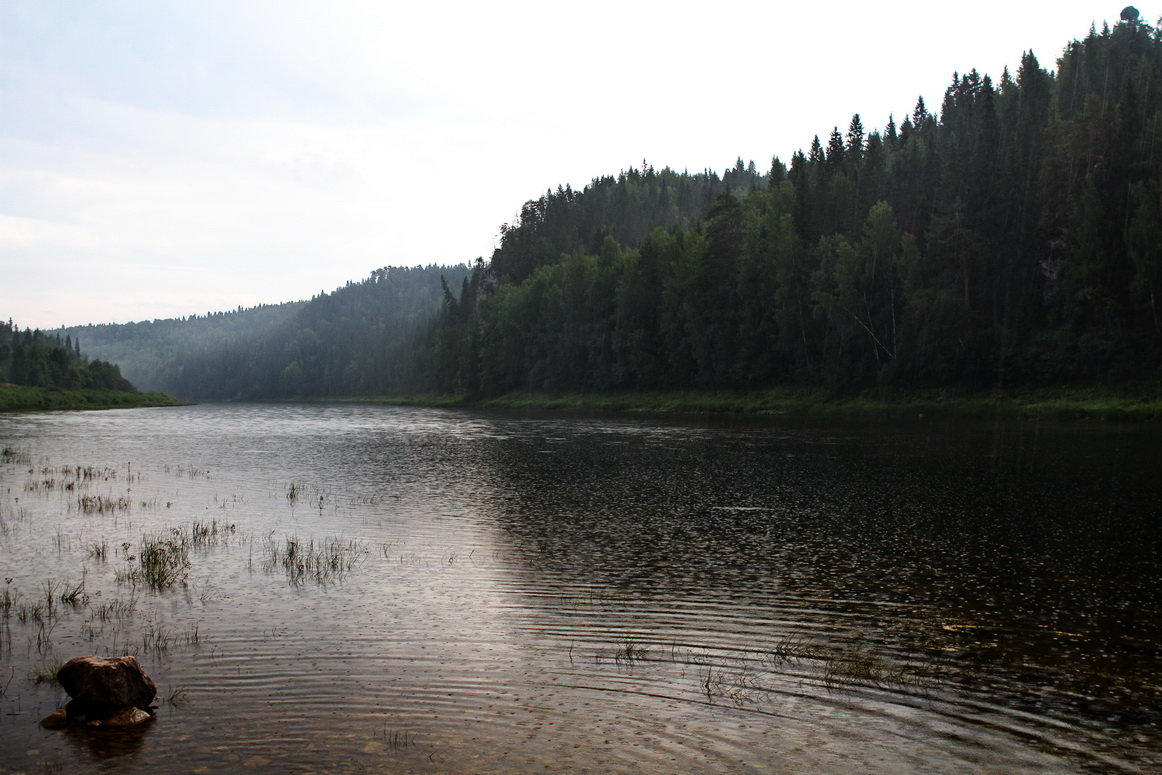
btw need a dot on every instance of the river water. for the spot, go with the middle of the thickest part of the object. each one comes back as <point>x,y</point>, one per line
<point>507,593</point>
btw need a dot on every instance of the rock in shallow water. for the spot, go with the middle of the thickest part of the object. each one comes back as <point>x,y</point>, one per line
<point>105,691</point>
<point>111,681</point>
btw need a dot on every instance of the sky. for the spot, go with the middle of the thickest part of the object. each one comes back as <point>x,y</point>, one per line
<point>161,159</point>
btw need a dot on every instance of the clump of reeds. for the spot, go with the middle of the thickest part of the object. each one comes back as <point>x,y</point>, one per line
<point>629,652</point>
<point>13,456</point>
<point>295,491</point>
<point>163,561</point>
<point>74,595</point>
<point>397,739</point>
<point>793,648</point>
<point>47,673</point>
<point>858,665</point>
<point>328,560</point>
<point>737,685</point>
<point>8,599</point>
<point>116,609</point>
<point>103,504</point>
<point>208,534</point>
<point>32,612</point>
<point>158,639</point>
<point>190,472</point>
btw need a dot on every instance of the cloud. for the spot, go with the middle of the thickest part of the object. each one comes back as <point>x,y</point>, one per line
<point>278,148</point>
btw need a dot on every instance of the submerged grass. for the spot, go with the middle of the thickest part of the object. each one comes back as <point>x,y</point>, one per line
<point>742,677</point>
<point>103,504</point>
<point>46,673</point>
<point>163,561</point>
<point>327,561</point>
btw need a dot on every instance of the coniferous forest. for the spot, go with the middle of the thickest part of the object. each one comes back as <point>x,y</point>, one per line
<point>1011,236</point>
<point>36,359</point>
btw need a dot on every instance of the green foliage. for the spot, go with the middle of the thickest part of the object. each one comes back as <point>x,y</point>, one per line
<point>1013,239</point>
<point>35,359</point>
<point>14,398</point>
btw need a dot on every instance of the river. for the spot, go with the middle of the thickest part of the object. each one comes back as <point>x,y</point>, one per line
<point>379,589</point>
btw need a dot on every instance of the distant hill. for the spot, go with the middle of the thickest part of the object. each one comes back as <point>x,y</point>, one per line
<point>355,341</point>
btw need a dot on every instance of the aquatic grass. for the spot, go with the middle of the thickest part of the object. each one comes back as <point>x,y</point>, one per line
<point>295,491</point>
<point>46,673</point>
<point>115,609</point>
<point>51,590</point>
<point>629,652</point>
<point>858,665</point>
<point>163,561</point>
<point>9,597</point>
<point>739,684</point>
<point>15,456</point>
<point>31,612</point>
<point>190,472</point>
<point>99,550</point>
<point>398,739</point>
<point>74,596</point>
<point>744,677</point>
<point>8,683</point>
<point>204,535</point>
<point>328,560</point>
<point>793,648</point>
<point>103,504</point>
<point>158,639</point>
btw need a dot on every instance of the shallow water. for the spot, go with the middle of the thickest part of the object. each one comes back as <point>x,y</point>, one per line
<point>522,594</point>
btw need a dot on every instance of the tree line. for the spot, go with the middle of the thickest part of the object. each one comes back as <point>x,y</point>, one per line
<point>1014,237</point>
<point>37,359</point>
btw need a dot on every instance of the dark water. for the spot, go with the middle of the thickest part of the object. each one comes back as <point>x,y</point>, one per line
<point>577,595</point>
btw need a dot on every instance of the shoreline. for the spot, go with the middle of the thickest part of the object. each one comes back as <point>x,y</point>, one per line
<point>1140,404</point>
<point>20,398</point>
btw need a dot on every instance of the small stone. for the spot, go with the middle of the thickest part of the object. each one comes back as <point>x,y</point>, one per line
<point>126,717</point>
<point>58,719</point>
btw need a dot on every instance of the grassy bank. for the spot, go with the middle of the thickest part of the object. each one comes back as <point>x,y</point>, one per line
<point>1131,404</point>
<point>17,398</point>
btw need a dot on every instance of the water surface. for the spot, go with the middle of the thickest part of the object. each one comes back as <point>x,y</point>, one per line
<point>531,594</point>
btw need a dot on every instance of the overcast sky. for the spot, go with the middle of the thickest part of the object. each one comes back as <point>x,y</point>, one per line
<point>160,159</point>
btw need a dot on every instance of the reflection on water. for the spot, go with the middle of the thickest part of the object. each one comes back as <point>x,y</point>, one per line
<point>527,593</point>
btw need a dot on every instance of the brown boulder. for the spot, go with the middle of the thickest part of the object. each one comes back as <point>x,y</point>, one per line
<point>107,682</point>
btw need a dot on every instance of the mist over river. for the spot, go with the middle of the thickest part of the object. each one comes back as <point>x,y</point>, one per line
<point>378,589</point>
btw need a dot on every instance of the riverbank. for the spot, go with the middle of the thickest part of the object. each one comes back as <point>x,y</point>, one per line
<point>1132,404</point>
<point>19,398</point>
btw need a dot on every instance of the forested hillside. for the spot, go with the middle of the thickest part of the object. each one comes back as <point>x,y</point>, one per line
<point>356,341</point>
<point>36,359</point>
<point>1013,237</point>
